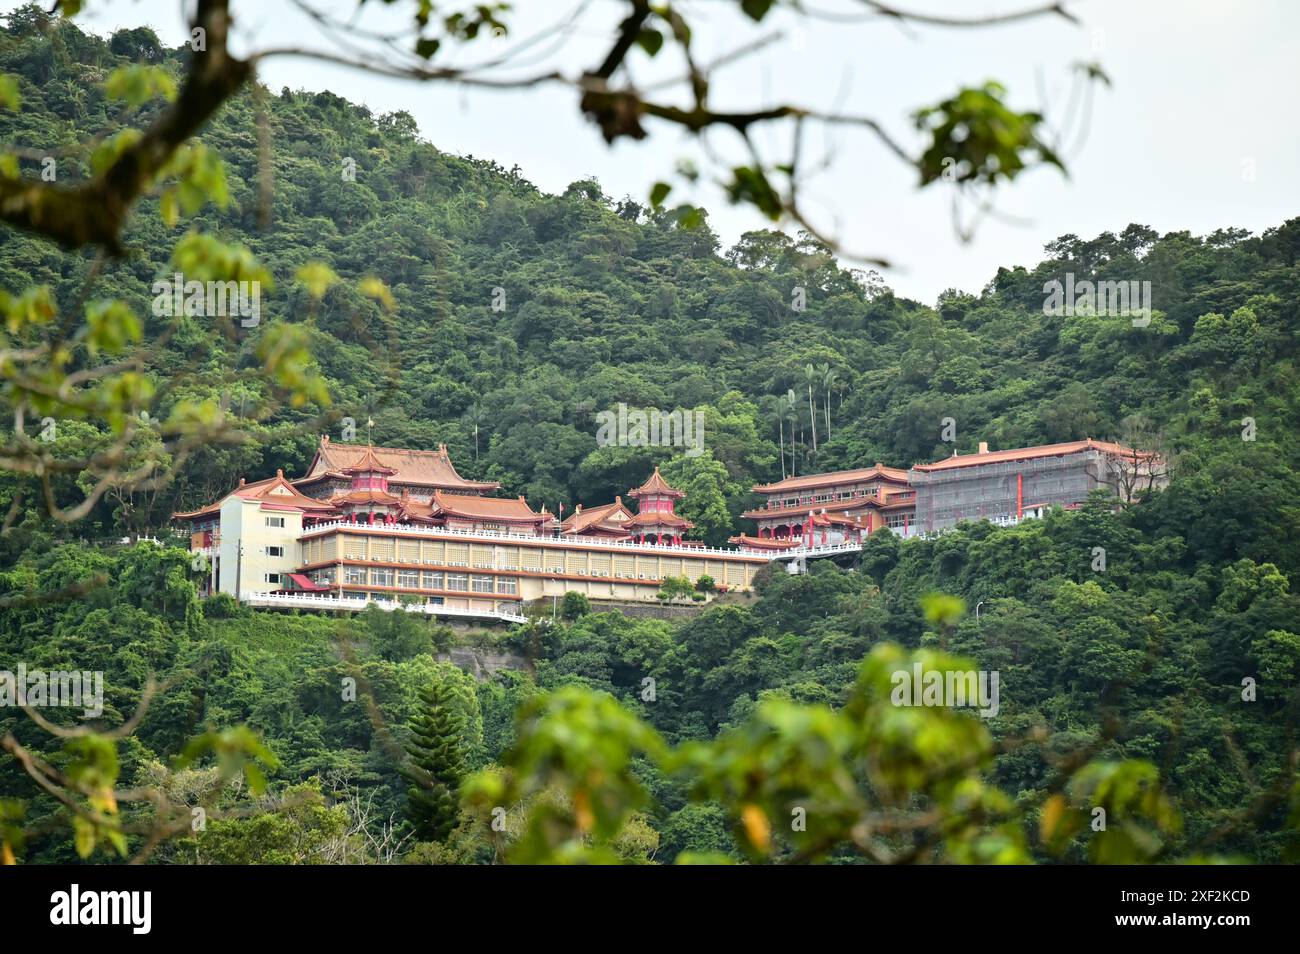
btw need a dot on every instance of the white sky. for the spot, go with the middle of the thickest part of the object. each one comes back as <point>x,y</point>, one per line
<point>1192,135</point>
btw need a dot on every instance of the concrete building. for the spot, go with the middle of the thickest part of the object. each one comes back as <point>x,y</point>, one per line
<point>402,535</point>
<point>1006,486</point>
<point>831,507</point>
<point>1002,486</point>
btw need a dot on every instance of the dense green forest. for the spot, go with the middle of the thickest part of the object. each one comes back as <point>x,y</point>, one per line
<point>517,316</point>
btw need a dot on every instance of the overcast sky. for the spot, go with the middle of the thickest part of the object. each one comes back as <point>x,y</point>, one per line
<point>1196,134</point>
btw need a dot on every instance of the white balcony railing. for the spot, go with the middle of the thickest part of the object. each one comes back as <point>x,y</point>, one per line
<point>354,604</point>
<point>446,533</point>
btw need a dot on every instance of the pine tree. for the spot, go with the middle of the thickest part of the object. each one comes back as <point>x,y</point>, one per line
<point>437,761</point>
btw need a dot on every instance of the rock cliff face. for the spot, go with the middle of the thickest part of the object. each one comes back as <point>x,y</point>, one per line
<point>480,664</point>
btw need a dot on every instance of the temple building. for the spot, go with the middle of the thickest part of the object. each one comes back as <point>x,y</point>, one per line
<point>376,524</point>
<point>400,525</point>
<point>608,522</point>
<point>655,521</point>
<point>831,508</point>
<point>1002,486</point>
<point>1007,486</point>
<point>418,472</point>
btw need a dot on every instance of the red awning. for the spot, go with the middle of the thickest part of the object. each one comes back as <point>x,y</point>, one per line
<point>306,584</point>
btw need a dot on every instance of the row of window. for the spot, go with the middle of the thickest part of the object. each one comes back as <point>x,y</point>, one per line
<point>420,580</point>
<point>822,498</point>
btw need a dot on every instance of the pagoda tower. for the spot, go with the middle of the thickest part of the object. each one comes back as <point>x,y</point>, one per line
<point>655,521</point>
<point>368,500</point>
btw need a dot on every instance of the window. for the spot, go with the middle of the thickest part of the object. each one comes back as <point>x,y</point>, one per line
<point>275,551</point>
<point>457,581</point>
<point>273,578</point>
<point>481,584</point>
<point>381,577</point>
<point>275,521</point>
<point>507,584</point>
<point>354,574</point>
<point>409,579</point>
<point>432,581</point>
<point>323,576</point>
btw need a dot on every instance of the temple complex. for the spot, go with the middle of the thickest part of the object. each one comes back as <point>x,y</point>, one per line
<point>831,507</point>
<point>1001,486</point>
<point>418,472</point>
<point>390,524</point>
<point>393,524</point>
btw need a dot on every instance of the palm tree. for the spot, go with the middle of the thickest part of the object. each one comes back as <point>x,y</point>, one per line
<point>780,430</point>
<point>811,377</point>
<point>474,417</point>
<point>828,375</point>
<point>792,409</point>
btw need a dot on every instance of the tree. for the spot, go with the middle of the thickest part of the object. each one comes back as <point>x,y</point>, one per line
<point>828,377</point>
<point>437,761</point>
<point>792,408</point>
<point>575,605</point>
<point>781,411</point>
<point>707,485</point>
<point>671,587</point>
<point>810,377</point>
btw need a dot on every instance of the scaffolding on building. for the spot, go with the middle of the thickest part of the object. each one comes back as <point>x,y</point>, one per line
<point>998,491</point>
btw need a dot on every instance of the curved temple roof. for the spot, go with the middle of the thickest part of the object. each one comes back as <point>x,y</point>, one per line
<point>418,468</point>
<point>655,485</point>
<point>833,478</point>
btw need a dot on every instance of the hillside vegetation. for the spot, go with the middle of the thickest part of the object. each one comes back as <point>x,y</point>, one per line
<point>1136,671</point>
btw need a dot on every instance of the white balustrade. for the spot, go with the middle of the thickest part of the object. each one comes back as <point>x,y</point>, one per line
<point>335,603</point>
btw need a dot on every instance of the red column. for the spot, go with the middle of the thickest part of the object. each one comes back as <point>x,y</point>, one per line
<point>1020,496</point>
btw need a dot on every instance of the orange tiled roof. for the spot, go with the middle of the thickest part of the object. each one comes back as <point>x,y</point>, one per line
<point>416,467</point>
<point>1031,453</point>
<point>368,463</point>
<point>364,497</point>
<point>602,529</point>
<point>492,508</point>
<point>653,519</point>
<point>833,478</point>
<point>899,504</point>
<point>765,543</point>
<point>274,490</point>
<point>655,485</point>
<point>585,517</point>
<point>802,509</point>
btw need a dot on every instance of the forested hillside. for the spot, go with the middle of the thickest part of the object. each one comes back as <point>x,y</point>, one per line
<point>598,301</point>
<point>601,304</point>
